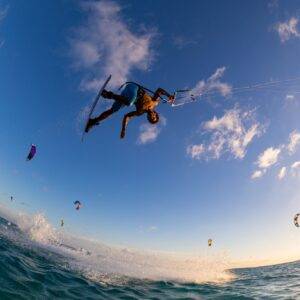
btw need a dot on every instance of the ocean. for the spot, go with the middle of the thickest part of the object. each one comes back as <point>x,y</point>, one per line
<point>38,261</point>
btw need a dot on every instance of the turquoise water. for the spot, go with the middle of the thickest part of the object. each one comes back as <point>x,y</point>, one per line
<point>54,270</point>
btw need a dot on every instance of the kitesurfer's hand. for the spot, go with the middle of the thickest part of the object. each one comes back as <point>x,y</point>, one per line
<point>122,135</point>
<point>171,99</point>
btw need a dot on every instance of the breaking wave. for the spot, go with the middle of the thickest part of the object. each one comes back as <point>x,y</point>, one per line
<point>105,264</point>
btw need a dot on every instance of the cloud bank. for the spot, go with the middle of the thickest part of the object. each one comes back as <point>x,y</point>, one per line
<point>294,141</point>
<point>149,132</point>
<point>270,156</point>
<point>288,29</point>
<point>232,133</point>
<point>105,45</point>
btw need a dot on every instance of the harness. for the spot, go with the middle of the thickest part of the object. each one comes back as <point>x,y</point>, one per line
<point>141,90</point>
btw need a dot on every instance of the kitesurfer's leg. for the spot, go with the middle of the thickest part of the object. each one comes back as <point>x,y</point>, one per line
<point>115,107</point>
<point>110,95</point>
<point>120,101</point>
<point>95,121</point>
<point>104,115</point>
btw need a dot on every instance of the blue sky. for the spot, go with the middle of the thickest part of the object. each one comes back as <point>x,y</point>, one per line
<point>223,167</point>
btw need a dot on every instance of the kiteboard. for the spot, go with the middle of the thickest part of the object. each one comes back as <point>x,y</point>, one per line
<point>94,104</point>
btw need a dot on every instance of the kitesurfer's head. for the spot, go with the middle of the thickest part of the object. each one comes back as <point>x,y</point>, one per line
<point>152,116</point>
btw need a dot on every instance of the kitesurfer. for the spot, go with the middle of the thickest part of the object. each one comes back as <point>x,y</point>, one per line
<point>132,94</point>
<point>209,242</point>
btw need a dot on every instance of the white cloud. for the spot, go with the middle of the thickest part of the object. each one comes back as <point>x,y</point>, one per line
<point>86,53</point>
<point>105,45</point>
<point>268,158</point>
<point>152,228</point>
<point>288,29</point>
<point>294,141</point>
<point>273,4</point>
<point>265,160</point>
<point>233,132</point>
<point>296,165</point>
<point>181,41</point>
<point>282,173</point>
<point>213,83</point>
<point>295,169</point>
<point>257,174</point>
<point>149,132</point>
<point>3,13</point>
<point>195,151</point>
<point>290,97</point>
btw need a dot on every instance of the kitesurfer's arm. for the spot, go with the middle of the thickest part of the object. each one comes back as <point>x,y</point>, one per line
<point>161,92</point>
<point>125,121</point>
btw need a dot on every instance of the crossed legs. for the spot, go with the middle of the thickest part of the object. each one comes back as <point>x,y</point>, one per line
<point>104,115</point>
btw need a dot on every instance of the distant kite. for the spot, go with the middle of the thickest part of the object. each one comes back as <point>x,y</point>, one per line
<point>11,198</point>
<point>32,152</point>
<point>78,204</point>
<point>296,220</point>
<point>209,242</point>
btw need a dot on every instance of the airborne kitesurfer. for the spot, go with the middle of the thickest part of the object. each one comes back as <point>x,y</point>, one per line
<point>132,94</point>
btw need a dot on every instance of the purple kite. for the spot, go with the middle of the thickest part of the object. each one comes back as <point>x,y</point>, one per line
<point>31,152</point>
<point>78,204</point>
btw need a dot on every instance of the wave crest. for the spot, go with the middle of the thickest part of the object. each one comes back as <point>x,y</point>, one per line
<point>103,263</point>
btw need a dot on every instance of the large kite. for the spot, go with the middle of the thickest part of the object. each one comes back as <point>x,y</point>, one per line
<point>78,204</point>
<point>296,220</point>
<point>209,242</point>
<point>32,152</point>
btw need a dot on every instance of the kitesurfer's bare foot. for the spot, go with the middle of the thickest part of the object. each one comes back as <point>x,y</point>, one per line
<point>107,94</point>
<point>91,123</point>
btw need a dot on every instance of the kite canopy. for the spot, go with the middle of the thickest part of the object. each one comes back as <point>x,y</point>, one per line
<point>209,242</point>
<point>78,204</point>
<point>296,221</point>
<point>32,152</point>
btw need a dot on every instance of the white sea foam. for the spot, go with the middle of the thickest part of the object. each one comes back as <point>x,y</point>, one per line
<point>107,264</point>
